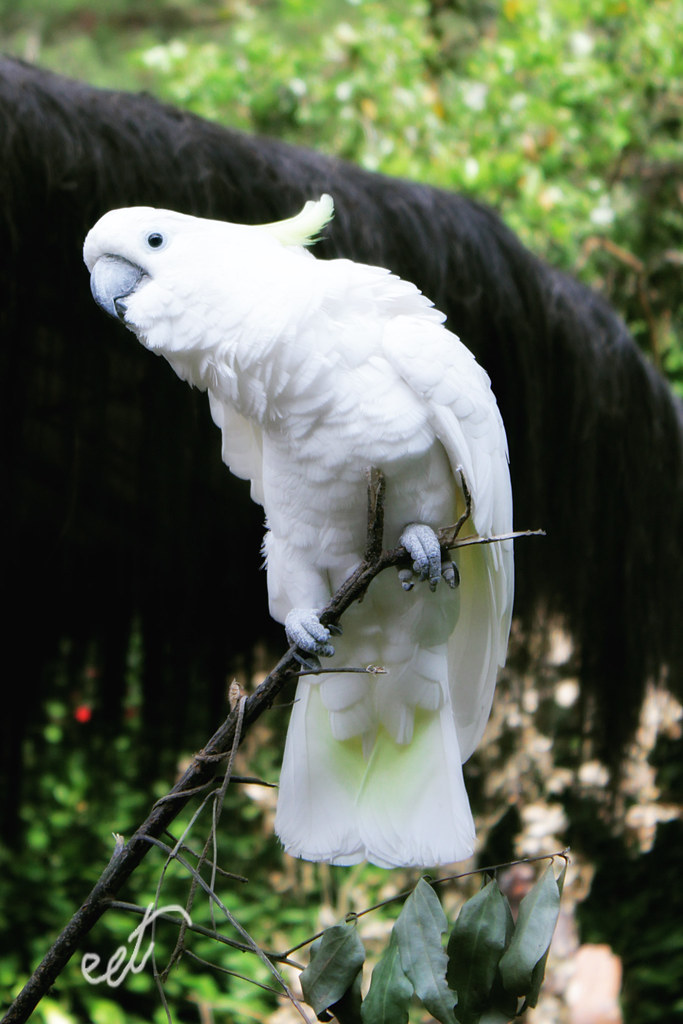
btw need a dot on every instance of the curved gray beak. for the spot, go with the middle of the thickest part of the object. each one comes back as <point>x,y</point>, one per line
<point>111,280</point>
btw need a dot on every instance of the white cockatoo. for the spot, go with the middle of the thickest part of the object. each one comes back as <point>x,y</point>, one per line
<point>317,370</point>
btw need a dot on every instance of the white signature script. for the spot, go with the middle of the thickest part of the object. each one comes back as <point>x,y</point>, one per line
<point>124,958</point>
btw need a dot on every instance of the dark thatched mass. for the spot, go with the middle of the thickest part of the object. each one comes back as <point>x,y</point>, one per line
<point>116,507</point>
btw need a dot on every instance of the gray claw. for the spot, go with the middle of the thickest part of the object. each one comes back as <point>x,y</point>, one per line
<point>309,662</point>
<point>423,546</point>
<point>450,573</point>
<point>406,578</point>
<point>305,630</point>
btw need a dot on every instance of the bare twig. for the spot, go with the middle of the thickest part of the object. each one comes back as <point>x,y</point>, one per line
<point>498,538</point>
<point>448,534</point>
<point>218,799</point>
<point>202,769</point>
<point>489,869</point>
<point>640,272</point>
<point>250,944</point>
<point>209,933</point>
<point>375,528</point>
<point>193,853</point>
<point>367,670</point>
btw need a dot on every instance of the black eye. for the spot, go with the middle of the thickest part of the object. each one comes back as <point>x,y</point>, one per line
<point>155,240</point>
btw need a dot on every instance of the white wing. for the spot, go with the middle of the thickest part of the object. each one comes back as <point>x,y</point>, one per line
<point>242,444</point>
<point>465,418</point>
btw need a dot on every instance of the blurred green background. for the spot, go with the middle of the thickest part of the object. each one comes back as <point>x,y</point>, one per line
<point>564,116</point>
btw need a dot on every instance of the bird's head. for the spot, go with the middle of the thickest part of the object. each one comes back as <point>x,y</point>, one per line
<point>126,250</point>
<point>166,275</point>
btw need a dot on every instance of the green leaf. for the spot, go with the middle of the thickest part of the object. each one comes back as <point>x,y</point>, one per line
<point>336,958</point>
<point>501,1003</point>
<point>390,991</point>
<point>418,930</point>
<point>476,945</point>
<point>347,1010</point>
<point>539,970</point>
<point>532,936</point>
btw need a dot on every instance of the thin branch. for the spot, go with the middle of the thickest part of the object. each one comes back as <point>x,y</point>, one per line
<point>209,933</point>
<point>497,538</point>
<point>252,946</point>
<point>202,770</point>
<point>233,974</point>
<point>449,533</point>
<point>218,798</point>
<point>375,524</point>
<point>640,272</point>
<point>486,869</point>
<point>367,670</point>
<point>193,853</point>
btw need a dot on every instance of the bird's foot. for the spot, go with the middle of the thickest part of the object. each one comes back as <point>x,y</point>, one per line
<point>422,544</point>
<point>305,630</point>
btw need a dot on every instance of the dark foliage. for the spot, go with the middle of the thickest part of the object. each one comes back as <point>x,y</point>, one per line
<point>646,929</point>
<point>117,508</point>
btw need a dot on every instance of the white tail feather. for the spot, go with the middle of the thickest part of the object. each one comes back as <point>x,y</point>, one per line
<point>405,805</point>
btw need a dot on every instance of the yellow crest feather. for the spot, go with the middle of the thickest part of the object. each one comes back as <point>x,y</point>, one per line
<point>305,226</point>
